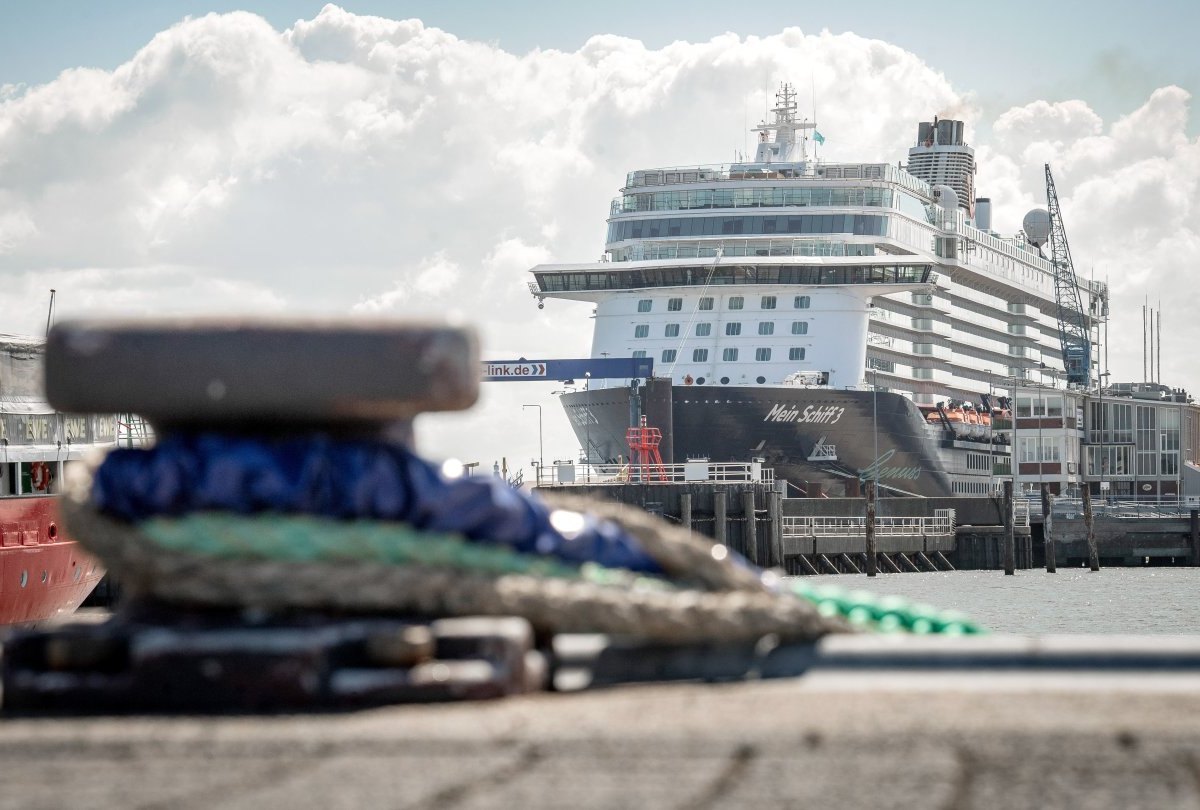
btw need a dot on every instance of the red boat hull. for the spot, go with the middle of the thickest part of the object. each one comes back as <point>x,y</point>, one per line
<point>43,573</point>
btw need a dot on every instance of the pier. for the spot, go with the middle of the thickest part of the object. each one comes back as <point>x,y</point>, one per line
<point>742,506</point>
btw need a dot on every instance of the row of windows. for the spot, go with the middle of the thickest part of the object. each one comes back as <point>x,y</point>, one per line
<point>858,224</point>
<point>642,278</point>
<point>732,329</point>
<point>753,198</point>
<point>735,302</point>
<point>728,355</point>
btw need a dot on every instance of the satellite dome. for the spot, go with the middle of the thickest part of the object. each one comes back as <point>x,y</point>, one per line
<point>1037,226</point>
<point>946,197</point>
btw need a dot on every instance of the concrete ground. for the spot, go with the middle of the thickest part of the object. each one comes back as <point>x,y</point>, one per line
<point>831,739</point>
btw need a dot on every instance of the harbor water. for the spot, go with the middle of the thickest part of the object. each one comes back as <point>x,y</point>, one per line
<point>1074,600</point>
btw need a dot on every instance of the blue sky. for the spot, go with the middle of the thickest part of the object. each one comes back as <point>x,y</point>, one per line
<point>1112,54</point>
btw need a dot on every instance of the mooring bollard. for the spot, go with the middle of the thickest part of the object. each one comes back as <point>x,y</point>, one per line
<point>872,560</point>
<point>1010,545</point>
<point>1093,554</point>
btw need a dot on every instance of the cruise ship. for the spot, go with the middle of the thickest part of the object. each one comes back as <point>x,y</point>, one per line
<point>839,322</point>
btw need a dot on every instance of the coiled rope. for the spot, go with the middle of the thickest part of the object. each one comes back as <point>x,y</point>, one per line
<point>253,523</point>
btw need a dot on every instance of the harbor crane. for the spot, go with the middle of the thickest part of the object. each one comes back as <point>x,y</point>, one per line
<point>1072,322</point>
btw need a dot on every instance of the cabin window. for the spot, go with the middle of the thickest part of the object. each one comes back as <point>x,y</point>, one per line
<point>668,356</point>
<point>736,302</point>
<point>729,355</point>
<point>700,355</point>
<point>799,327</point>
<point>672,330</point>
<point>768,302</point>
<point>703,329</point>
<point>674,304</point>
<point>641,330</point>
<point>644,305</point>
<point>796,353</point>
<point>801,302</point>
<point>766,328</point>
<point>706,302</point>
<point>733,328</point>
<point>762,355</point>
<point>640,353</point>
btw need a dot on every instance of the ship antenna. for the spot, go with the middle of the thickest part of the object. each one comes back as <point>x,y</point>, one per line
<point>50,313</point>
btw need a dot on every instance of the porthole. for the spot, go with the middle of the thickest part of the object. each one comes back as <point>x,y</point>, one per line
<point>699,381</point>
<point>760,380</point>
<point>724,381</point>
<point>52,531</point>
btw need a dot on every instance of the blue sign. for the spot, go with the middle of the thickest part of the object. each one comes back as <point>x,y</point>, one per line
<point>597,368</point>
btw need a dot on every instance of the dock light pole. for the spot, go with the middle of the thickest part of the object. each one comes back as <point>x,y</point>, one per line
<point>873,485</point>
<point>587,451</point>
<point>541,459</point>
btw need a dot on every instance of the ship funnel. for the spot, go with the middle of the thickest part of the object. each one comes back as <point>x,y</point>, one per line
<point>983,214</point>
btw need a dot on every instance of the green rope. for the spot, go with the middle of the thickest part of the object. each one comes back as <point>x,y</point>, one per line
<point>884,614</point>
<point>308,539</point>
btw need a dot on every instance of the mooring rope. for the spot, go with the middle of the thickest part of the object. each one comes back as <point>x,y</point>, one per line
<point>254,523</point>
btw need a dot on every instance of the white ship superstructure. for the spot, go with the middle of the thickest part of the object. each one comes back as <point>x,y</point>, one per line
<point>788,272</point>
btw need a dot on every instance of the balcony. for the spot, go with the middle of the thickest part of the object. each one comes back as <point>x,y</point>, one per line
<point>932,326</point>
<point>934,350</point>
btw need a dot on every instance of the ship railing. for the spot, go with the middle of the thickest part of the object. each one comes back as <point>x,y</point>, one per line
<point>634,473</point>
<point>719,173</point>
<point>940,524</point>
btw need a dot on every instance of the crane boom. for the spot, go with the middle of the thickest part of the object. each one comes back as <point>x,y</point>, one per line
<point>1072,322</point>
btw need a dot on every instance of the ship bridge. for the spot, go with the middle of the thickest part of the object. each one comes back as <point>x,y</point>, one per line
<point>596,281</point>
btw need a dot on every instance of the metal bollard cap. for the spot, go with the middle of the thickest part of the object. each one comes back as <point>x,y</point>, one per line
<point>224,372</point>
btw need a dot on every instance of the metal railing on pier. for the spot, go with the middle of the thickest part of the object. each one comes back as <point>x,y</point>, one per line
<point>942,523</point>
<point>1072,509</point>
<point>691,472</point>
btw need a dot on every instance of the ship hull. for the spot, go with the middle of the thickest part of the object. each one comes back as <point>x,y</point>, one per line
<point>43,573</point>
<point>821,441</point>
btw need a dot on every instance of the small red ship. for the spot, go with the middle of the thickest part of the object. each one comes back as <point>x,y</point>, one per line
<point>43,572</point>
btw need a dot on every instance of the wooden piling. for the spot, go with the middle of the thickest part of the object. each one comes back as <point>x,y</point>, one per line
<point>1048,530</point>
<point>1195,526</point>
<point>1010,545</point>
<point>720,519</point>
<point>750,534</point>
<point>685,510</point>
<point>1093,554</point>
<point>775,511</point>
<point>872,562</point>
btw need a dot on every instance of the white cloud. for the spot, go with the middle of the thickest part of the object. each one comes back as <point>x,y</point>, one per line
<point>357,163</point>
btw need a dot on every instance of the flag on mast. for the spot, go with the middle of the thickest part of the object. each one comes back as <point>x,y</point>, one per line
<point>818,137</point>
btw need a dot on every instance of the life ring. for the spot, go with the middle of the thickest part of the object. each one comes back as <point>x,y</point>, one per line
<point>39,475</point>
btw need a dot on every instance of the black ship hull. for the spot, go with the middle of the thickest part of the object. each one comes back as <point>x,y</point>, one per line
<point>820,441</point>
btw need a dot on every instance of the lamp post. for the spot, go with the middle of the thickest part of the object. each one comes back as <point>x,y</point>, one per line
<point>541,460</point>
<point>587,451</point>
